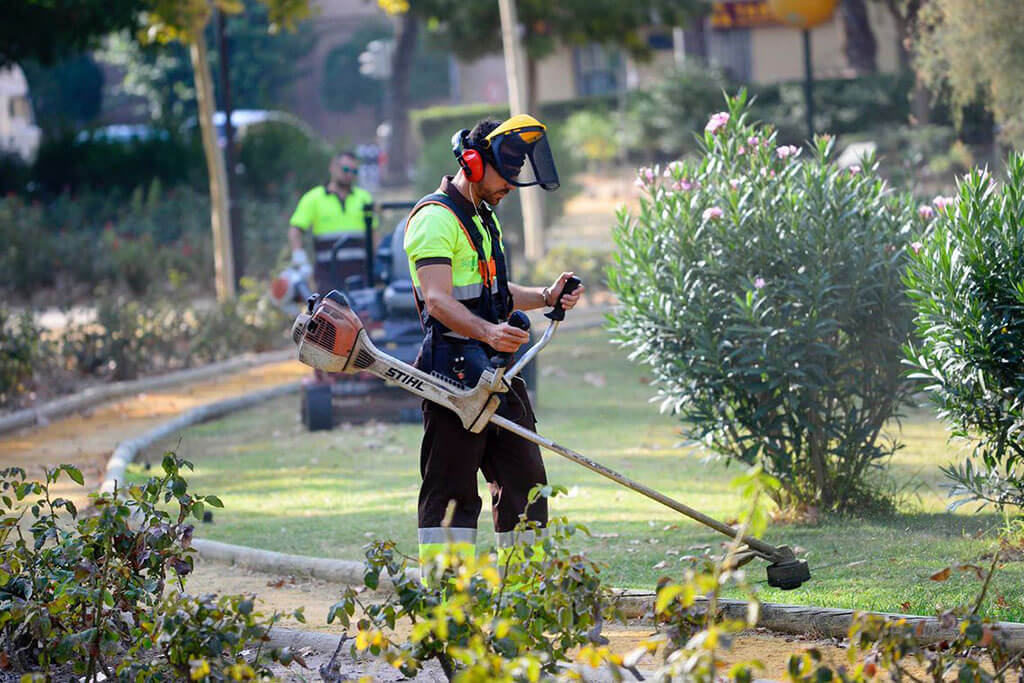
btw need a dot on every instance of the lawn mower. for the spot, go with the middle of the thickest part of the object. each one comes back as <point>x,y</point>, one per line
<point>331,337</point>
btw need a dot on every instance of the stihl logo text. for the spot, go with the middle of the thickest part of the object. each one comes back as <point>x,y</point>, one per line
<point>405,378</point>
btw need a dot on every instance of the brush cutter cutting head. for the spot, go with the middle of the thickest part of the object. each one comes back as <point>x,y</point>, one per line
<point>329,336</point>
<point>787,572</point>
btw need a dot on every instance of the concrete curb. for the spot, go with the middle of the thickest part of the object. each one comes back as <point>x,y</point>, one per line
<point>105,392</point>
<point>127,450</point>
<point>347,572</point>
<point>823,621</point>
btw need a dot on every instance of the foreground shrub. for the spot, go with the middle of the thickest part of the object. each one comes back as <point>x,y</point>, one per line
<point>87,592</point>
<point>542,621</point>
<point>967,285</point>
<point>470,618</point>
<point>765,295</point>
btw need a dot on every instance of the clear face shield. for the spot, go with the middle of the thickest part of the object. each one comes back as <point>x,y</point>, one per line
<point>520,139</point>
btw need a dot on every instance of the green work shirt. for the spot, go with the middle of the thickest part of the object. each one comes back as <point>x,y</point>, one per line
<point>434,235</point>
<point>328,217</point>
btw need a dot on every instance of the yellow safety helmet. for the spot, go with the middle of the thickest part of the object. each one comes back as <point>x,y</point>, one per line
<point>507,147</point>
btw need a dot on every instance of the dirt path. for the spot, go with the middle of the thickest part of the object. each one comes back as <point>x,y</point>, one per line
<point>87,439</point>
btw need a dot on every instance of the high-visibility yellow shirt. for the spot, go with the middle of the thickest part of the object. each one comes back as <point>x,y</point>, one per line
<point>326,216</point>
<point>434,235</point>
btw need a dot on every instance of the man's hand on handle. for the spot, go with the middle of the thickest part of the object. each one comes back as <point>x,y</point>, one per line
<point>506,339</point>
<point>568,300</point>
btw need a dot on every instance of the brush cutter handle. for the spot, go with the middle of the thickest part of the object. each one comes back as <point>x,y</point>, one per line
<point>558,313</point>
<point>518,320</point>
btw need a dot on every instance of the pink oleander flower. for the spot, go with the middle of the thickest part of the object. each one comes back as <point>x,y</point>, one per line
<point>759,283</point>
<point>787,151</point>
<point>673,168</point>
<point>925,211</point>
<point>941,202</point>
<point>716,122</point>
<point>644,176</point>
<point>765,173</point>
<point>854,169</point>
<point>742,150</point>
<point>682,185</point>
<point>916,246</point>
<point>712,213</point>
<point>734,183</point>
<point>753,141</point>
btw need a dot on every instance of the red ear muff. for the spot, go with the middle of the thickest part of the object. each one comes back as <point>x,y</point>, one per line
<point>472,163</point>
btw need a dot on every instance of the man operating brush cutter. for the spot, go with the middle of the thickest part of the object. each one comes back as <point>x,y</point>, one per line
<point>457,260</point>
<point>477,415</point>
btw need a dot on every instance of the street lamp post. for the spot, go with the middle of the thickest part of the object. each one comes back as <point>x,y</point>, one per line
<point>805,15</point>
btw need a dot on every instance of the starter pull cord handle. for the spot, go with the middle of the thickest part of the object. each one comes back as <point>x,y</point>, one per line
<point>518,320</point>
<point>558,313</point>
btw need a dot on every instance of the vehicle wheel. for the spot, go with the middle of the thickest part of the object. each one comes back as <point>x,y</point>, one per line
<point>316,407</point>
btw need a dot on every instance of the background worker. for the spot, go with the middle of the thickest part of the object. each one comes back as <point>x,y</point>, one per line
<point>331,212</point>
<point>456,257</point>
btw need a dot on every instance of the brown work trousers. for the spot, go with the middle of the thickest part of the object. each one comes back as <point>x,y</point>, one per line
<point>451,456</point>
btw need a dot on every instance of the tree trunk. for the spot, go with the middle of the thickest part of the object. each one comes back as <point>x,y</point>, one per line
<point>859,43</point>
<point>223,263</point>
<point>401,67</point>
<point>531,86</point>
<point>905,16</point>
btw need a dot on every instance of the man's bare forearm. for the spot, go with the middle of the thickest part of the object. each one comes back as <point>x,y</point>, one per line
<point>527,298</point>
<point>295,238</point>
<point>447,310</point>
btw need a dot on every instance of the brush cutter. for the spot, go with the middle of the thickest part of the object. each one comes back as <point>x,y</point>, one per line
<point>331,338</point>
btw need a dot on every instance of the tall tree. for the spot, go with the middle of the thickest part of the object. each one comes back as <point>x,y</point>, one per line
<point>973,50</point>
<point>859,43</point>
<point>48,30</point>
<point>905,14</point>
<point>185,21</point>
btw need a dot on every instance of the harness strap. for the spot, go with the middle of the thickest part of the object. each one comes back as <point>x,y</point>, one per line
<point>491,269</point>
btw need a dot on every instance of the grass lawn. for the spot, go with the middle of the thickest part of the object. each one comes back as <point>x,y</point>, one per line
<point>326,493</point>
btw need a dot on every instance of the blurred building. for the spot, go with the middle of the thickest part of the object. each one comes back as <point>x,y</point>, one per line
<point>742,37</point>
<point>18,132</point>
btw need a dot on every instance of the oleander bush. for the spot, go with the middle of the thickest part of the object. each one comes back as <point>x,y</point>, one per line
<point>966,281</point>
<point>97,594</point>
<point>763,290</point>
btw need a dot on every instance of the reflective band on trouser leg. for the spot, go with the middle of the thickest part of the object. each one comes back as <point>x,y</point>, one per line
<point>511,543</point>
<point>458,541</point>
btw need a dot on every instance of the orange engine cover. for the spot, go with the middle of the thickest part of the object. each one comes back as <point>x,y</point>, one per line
<point>334,328</point>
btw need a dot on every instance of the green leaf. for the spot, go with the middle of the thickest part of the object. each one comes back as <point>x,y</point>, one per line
<point>74,473</point>
<point>214,501</point>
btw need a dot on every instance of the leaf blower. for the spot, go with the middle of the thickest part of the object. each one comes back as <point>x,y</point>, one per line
<point>291,286</point>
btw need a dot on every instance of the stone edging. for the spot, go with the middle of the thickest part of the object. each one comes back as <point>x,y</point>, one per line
<point>105,392</point>
<point>127,450</point>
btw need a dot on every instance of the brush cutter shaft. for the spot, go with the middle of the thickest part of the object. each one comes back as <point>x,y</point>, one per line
<point>763,549</point>
<point>332,338</point>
